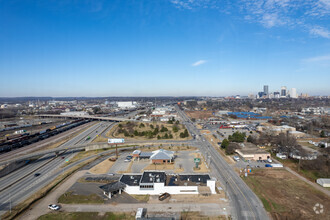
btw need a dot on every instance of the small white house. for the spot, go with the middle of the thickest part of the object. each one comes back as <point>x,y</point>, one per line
<point>324,182</point>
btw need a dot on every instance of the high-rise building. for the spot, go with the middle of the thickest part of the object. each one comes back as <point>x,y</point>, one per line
<point>283,91</point>
<point>276,95</point>
<point>266,89</point>
<point>293,93</point>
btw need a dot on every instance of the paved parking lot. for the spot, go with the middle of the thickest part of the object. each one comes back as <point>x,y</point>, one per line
<point>253,164</point>
<point>186,160</point>
<point>120,164</point>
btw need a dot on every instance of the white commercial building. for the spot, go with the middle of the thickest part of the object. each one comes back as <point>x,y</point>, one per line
<point>126,105</point>
<point>156,183</point>
<point>293,93</point>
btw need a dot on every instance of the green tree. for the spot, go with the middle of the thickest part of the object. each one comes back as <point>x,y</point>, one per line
<point>158,137</point>
<point>175,128</point>
<point>170,136</point>
<point>224,143</point>
<point>163,129</point>
<point>141,125</point>
<point>249,139</point>
<point>166,136</point>
<point>136,133</point>
<point>322,134</point>
<point>177,122</point>
<point>151,126</point>
<point>186,134</point>
<point>120,125</point>
<point>181,135</point>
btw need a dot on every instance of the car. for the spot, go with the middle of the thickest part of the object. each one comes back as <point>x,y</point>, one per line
<point>127,160</point>
<point>37,174</point>
<point>129,157</point>
<point>53,207</point>
<point>269,160</point>
<point>111,174</point>
<point>63,157</point>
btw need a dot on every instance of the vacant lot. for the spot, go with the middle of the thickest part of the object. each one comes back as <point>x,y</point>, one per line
<point>202,115</point>
<point>102,167</point>
<point>285,196</point>
<point>85,215</point>
<point>150,131</point>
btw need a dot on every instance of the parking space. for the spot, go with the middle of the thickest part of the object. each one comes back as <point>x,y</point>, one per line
<point>253,164</point>
<point>138,166</point>
<point>120,165</point>
<point>185,160</point>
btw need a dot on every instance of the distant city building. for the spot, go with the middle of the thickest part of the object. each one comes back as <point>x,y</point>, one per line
<point>126,105</point>
<point>283,91</point>
<point>266,89</point>
<point>276,95</point>
<point>293,93</point>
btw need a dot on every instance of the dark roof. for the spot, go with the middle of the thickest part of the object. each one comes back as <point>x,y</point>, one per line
<point>112,187</point>
<point>151,177</point>
<point>131,180</point>
<point>195,178</point>
<point>145,154</point>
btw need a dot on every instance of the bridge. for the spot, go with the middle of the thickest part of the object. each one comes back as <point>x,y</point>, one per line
<point>98,118</point>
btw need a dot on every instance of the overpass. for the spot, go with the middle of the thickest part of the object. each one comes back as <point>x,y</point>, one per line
<point>99,118</point>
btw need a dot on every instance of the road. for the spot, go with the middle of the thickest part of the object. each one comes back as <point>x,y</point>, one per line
<point>244,203</point>
<point>22,183</point>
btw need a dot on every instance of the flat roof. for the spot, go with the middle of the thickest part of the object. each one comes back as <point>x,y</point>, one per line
<point>153,176</point>
<point>188,180</point>
<point>252,151</point>
<point>131,180</point>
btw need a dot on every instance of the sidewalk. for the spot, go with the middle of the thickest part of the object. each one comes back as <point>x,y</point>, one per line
<point>210,209</point>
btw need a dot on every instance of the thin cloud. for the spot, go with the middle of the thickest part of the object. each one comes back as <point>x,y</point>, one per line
<point>199,62</point>
<point>320,31</point>
<point>317,59</point>
<point>293,14</point>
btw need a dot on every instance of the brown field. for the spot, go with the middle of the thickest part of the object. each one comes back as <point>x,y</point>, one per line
<point>102,167</point>
<point>285,196</point>
<point>202,115</point>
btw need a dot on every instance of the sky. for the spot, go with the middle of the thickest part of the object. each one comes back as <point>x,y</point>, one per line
<point>163,47</point>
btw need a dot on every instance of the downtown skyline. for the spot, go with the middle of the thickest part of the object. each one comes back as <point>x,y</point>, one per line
<point>163,48</point>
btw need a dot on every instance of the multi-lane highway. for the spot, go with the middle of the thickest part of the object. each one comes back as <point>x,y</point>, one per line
<point>245,204</point>
<point>22,183</point>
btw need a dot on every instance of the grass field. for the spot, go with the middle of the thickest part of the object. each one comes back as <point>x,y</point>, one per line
<point>70,198</point>
<point>285,196</point>
<point>85,216</point>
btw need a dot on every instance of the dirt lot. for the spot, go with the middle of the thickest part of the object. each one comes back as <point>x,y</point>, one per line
<point>202,115</point>
<point>285,196</point>
<point>102,167</point>
<point>131,127</point>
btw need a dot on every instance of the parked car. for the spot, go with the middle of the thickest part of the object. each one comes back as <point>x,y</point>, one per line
<point>129,157</point>
<point>127,160</point>
<point>53,207</point>
<point>269,160</point>
<point>37,174</point>
<point>236,158</point>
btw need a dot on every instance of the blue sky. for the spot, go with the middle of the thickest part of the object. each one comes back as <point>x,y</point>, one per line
<point>163,47</point>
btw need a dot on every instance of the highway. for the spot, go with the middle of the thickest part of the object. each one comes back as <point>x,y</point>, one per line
<point>22,183</point>
<point>244,203</point>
